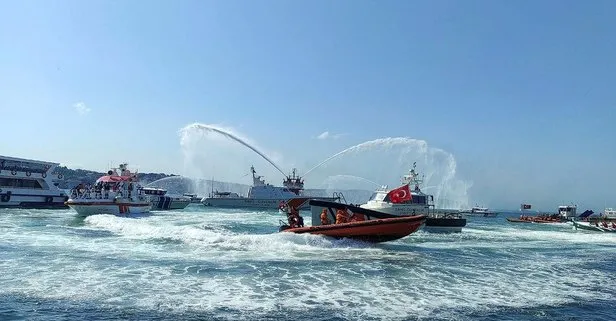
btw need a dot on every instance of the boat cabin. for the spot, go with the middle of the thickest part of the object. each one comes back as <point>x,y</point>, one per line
<point>609,212</point>
<point>567,211</point>
<point>154,191</point>
<point>419,199</point>
<point>218,194</point>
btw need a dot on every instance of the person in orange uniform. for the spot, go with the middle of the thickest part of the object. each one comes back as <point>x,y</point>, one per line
<point>324,218</point>
<point>341,217</point>
<point>356,217</point>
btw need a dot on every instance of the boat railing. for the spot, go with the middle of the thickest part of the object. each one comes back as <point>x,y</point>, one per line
<point>105,194</point>
<point>340,197</point>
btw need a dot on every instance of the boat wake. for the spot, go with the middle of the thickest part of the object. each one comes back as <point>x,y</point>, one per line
<point>233,265</point>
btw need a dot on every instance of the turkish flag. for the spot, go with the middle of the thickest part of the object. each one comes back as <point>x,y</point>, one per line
<point>400,194</point>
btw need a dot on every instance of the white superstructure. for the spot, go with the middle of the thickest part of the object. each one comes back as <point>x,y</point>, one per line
<point>26,183</point>
<point>479,211</point>
<point>262,195</point>
<point>420,203</point>
<point>567,211</point>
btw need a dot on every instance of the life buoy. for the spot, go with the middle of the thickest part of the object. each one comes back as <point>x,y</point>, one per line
<point>28,173</point>
<point>48,199</point>
<point>44,175</point>
<point>60,176</point>
<point>13,172</point>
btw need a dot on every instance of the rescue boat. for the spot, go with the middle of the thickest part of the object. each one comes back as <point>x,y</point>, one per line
<point>377,226</point>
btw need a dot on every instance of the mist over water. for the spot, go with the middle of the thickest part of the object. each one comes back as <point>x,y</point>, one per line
<point>386,160</point>
<point>210,154</point>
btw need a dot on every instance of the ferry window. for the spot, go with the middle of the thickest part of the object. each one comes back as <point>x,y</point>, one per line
<point>20,183</point>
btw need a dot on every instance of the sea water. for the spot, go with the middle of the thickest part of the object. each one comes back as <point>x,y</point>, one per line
<point>211,264</point>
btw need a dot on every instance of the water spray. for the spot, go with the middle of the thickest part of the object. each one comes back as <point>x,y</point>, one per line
<point>368,144</point>
<point>210,128</point>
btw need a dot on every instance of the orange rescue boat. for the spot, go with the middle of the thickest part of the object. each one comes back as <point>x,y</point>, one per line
<point>379,227</point>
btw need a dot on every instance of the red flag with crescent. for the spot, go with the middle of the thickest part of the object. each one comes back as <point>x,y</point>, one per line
<point>400,194</point>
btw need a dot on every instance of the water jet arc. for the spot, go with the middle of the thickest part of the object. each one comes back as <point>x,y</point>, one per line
<point>235,138</point>
<point>390,141</point>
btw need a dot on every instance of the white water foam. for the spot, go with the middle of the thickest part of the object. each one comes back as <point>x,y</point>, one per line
<point>205,261</point>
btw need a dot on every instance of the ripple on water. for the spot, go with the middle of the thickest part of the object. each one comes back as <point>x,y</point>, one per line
<point>228,266</point>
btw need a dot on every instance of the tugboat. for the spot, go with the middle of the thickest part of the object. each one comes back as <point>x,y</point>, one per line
<point>114,193</point>
<point>359,223</point>
<point>262,195</point>
<point>402,201</point>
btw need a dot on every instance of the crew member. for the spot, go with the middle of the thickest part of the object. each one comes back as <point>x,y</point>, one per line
<point>341,217</point>
<point>357,217</point>
<point>325,218</point>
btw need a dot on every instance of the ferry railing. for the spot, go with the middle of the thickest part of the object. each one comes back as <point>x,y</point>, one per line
<point>95,193</point>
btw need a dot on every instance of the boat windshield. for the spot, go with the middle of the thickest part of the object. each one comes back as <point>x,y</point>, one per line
<point>378,196</point>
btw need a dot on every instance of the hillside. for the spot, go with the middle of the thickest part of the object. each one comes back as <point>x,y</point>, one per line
<point>176,184</point>
<point>73,177</point>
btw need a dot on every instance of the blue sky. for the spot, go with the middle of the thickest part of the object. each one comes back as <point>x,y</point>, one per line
<point>520,92</point>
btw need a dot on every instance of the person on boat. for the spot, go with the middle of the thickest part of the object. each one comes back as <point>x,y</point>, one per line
<point>292,220</point>
<point>341,217</point>
<point>357,217</point>
<point>325,218</point>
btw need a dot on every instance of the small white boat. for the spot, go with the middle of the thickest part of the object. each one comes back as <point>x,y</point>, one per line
<point>114,193</point>
<point>600,226</point>
<point>480,211</point>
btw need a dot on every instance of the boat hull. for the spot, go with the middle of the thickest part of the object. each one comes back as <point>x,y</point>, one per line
<point>438,222</point>
<point>119,208</point>
<point>375,231</point>
<point>444,224</point>
<point>167,203</point>
<point>253,203</point>
<point>592,227</point>
<point>32,201</point>
<point>535,220</point>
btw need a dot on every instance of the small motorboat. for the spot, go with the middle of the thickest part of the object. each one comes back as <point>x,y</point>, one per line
<point>565,214</point>
<point>377,226</point>
<point>536,219</point>
<point>603,226</point>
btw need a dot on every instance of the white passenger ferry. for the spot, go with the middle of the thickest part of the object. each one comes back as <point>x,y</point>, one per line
<point>27,183</point>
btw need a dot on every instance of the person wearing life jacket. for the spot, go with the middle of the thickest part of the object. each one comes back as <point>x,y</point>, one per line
<point>324,218</point>
<point>292,220</point>
<point>357,217</point>
<point>341,217</point>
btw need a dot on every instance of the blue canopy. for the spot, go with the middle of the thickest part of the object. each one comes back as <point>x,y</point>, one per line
<point>586,213</point>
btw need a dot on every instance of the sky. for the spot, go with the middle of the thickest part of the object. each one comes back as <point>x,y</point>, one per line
<point>519,93</point>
